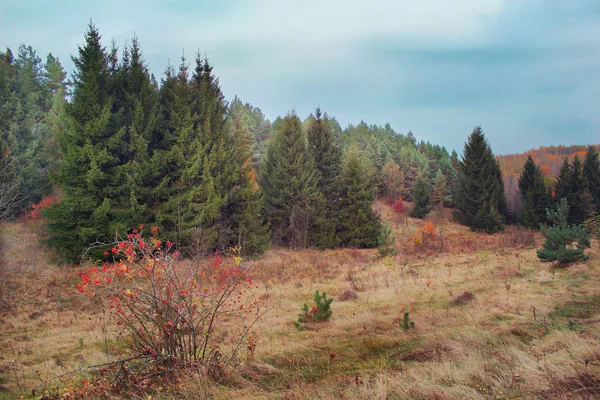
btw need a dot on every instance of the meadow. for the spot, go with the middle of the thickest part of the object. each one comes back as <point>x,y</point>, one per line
<point>452,315</point>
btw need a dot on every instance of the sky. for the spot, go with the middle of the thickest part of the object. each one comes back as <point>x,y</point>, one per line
<point>527,71</point>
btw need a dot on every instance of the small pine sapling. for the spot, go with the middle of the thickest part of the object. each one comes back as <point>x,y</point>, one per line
<point>320,312</point>
<point>560,238</point>
<point>386,242</point>
<point>406,322</point>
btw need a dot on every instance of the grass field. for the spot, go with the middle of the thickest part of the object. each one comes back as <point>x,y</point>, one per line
<point>490,322</point>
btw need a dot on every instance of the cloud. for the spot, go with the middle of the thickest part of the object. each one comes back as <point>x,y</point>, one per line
<point>525,70</point>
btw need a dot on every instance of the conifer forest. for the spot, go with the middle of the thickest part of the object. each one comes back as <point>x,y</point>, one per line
<point>159,240</point>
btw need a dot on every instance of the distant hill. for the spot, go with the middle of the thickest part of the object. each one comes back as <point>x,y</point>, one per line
<point>549,159</point>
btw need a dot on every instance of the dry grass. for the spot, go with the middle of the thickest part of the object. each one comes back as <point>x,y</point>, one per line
<point>527,331</point>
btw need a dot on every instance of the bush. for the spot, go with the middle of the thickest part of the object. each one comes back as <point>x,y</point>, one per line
<point>175,315</point>
<point>426,237</point>
<point>348,295</point>
<point>320,312</point>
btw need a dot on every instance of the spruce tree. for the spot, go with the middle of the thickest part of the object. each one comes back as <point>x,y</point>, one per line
<point>560,237</point>
<point>479,196</point>
<point>84,215</point>
<point>168,151</point>
<point>591,172</point>
<point>422,198</point>
<point>581,205</point>
<point>135,111</point>
<point>360,225</point>
<point>198,155</point>
<point>23,134</point>
<point>328,162</point>
<point>244,212</point>
<point>562,187</point>
<point>289,182</point>
<point>536,196</point>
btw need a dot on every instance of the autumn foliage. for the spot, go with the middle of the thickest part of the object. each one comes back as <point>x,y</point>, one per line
<point>176,315</point>
<point>36,210</point>
<point>399,207</point>
<point>426,236</point>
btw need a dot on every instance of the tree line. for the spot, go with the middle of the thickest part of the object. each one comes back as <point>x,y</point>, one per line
<point>121,149</point>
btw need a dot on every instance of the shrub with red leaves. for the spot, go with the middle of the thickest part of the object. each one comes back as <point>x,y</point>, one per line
<point>176,314</point>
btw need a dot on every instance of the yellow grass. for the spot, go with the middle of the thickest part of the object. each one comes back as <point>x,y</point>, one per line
<point>529,331</point>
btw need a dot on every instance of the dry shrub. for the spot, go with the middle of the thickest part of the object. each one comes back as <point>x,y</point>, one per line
<point>510,271</point>
<point>360,256</point>
<point>357,282</point>
<point>348,295</point>
<point>462,299</point>
<point>177,316</point>
<point>516,238</point>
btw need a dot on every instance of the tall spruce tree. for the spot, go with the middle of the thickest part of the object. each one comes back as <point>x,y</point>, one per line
<point>591,172</point>
<point>244,212</point>
<point>479,194</point>
<point>360,225</point>
<point>84,215</point>
<point>535,195</point>
<point>106,170</point>
<point>572,186</point>
<point>289,182</point>
<point>24,95</point>
<point>169,151</point>
<point>581,205</point>
<point>207,197</point>
<point>135,111</point>
<point>328,161</point>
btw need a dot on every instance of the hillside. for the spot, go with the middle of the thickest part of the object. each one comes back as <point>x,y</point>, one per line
<point>490,321</point>
<point>549,159</point>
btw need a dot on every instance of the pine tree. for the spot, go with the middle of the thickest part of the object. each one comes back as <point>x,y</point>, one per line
<point>479,196</point>
<point>244,213</point>
<point>591,172</point>
<point>562,187</point>
<point>441,192</point>
<point>23,134</point>
<point>360,225</point>
<point>328,162</point>
<point>87,171</point>
<point>393,181</point>
<point>536,196</point>
<point>422,198</point>
<point>289,182</point>
<point>581,205</point>
<point>135,112</point>
<point>560,237</point>
<point>168,149</point>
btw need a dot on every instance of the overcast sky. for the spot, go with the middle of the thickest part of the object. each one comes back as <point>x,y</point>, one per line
<point>527,71</point>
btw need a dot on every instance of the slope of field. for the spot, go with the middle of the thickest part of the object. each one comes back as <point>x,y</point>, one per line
<point>490,322</point>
